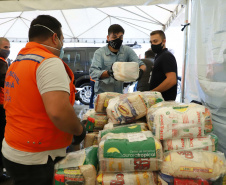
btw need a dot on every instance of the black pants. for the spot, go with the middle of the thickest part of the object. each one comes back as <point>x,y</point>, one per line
<point>31,174</point>
<point>2,132</point>
<point>92,83</point>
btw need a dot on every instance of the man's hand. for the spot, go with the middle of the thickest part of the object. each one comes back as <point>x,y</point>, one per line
<point>141,72</point>
<point>110,72</point>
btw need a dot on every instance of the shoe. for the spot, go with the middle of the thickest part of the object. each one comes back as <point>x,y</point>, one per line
<point>4,178</point>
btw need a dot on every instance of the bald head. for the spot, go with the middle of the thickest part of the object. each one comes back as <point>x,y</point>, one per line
<point>4,43</point>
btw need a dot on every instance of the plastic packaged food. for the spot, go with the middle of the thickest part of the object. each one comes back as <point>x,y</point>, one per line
<point>153,97</point>
<point>91,139</point>
<point>127,108</point>
<point>77,167</point>
<point>130,152</point>
<point>126,71</point>
<point>135,178</point>
<point>194,164</point>
<point>102,99</point>
<point>208,143</point>
<point>171,120</point>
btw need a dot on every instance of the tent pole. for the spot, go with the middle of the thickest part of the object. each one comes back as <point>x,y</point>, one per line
<point>187,20</point>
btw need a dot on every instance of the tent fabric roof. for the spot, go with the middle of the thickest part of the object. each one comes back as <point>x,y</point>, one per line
<point>91,24</point>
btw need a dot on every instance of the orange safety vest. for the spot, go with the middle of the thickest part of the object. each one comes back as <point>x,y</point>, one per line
<point>92,79</point>
<point>2,89</point>
<point>28,126</point>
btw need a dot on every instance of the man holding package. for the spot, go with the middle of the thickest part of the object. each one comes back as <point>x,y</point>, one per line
<point>105,57</point>
<point>164,74</point>
<point>39,98</point>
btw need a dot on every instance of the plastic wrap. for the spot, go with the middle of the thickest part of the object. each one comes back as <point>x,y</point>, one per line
<point>130,152</point>
<point>91,139</point>
<point>194,164</point>
<point>79,167</point>
<point>135,178</point>
<point>127,108</point>
<point>94,121</point>
<point>131,128</point>
<point>208,143</point>
<point>126,71</point>
<point>171,120</point>
<point>102,99</point>
<point>153,97</point>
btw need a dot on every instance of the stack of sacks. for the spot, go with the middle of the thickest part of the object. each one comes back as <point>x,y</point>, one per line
<point>102,99</point>
<point>126,71</point>
<point>185,132</point>
<point>91,139</point>
<point>132,128</point>
<point>94,121</point>
<point>153,97</point>
<point>134,155</point>
<point>77,168</point>
<point>127,108</point>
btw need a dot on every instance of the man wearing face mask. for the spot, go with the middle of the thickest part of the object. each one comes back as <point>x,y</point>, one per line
<point>4,53</point>
<point>114,51</point>
<point>39,97</point>
<point>164,74</point>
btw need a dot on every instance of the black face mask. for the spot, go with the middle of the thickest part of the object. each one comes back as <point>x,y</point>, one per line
<point>4,53</point>
<point>157,48</point>
<point>116,44</point>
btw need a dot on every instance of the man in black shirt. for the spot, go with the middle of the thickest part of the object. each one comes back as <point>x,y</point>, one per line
<point>164,74</point>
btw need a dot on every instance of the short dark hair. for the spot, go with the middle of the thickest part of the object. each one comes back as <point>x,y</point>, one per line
<point>41,32</point>
<point>160,32</point>
<point>115,28</point>
<point>149,54</point>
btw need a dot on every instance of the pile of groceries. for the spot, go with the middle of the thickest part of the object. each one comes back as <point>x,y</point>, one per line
<point>140,139</point>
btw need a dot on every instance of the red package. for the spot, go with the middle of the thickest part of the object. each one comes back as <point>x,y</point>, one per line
<point>190,182</point>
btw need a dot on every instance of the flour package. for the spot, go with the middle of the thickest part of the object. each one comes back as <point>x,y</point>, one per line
<point>171,120</point>
<point>131,128</point>
<point>194,164</point>
<point>126,71</point>
<point>102,99</point>
<point>127,108</point>
<point>94,121</point>
<point>91,139</point>
<point>207,143</point>
<point>77,168</point>
<point>153,97</point>
<point>135,178</point>
<point>130,152</point>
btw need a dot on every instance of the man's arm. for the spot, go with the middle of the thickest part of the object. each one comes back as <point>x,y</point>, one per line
<point>61,112</point>
<point>170,81</point>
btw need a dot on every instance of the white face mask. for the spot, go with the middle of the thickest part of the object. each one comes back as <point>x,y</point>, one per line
<point>61,50</point>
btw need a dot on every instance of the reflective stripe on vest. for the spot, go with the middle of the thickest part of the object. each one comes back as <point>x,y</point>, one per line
<point>28,126</point>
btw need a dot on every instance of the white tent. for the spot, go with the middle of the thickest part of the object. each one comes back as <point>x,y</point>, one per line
<point>87,21</point>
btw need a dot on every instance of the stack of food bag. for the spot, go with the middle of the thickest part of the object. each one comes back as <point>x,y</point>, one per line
<point>185,130</point>
<point>127,108</point>
<point>129,155</point>
<point>78,167</point>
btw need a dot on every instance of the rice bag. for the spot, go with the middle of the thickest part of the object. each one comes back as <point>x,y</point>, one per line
<point>91,139</point>
<point>171,120</point>
<point>77,167</point>
<point>126,71</point>
<point>102,99</point>
<point>153,97</point>
<point>95,121</point>
<point>135,178</point>
<point>208,143</point>
<point>194,164</point>
<point>127,108</point>
<point>130,152</point>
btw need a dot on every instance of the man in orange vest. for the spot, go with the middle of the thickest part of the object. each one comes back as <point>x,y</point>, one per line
<point>39,97</point>
<point>4,53</point>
